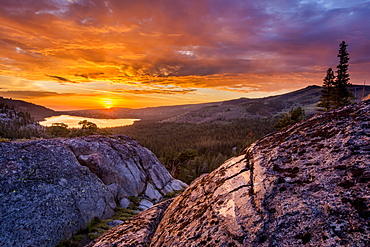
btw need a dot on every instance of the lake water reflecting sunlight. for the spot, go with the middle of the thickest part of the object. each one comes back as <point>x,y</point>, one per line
<point>72,121</point>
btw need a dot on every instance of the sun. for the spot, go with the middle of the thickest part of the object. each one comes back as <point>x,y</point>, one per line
<point>107,103</point>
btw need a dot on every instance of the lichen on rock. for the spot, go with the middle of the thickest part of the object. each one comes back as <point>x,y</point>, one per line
<point>136,231</point>
<point>305,185</point>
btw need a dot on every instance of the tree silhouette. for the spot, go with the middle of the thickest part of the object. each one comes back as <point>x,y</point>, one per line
<point>294,116</point>
<point>342,95</point>
<point>58,130</point>
<point>327,93</point>
<point>335,91</point>
<point>88,128</point>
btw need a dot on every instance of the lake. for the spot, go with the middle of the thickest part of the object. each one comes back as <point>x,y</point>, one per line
<point>72,121</point>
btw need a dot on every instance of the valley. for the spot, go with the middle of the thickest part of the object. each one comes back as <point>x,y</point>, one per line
<point>191,140</point>
<point>193,143</point>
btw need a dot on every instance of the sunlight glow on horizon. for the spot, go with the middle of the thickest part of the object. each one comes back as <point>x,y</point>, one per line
<point>93,54</point>
<point>107,103</point>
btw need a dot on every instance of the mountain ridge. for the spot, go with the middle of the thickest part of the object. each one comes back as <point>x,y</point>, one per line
<point>38,112</point>
<point>176,113</point>
<point>220,111</point>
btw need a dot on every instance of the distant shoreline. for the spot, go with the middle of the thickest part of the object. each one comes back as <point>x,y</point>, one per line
<point>72,121</point>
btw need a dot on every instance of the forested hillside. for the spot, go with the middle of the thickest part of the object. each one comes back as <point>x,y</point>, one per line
<point>188,139</point>
<point>188,150</point>
<point>38,112</point>
<point>199,140</point>
<point>17,124</point>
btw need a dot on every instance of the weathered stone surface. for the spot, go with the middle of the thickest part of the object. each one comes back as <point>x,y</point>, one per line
<point>152,193</point>
<point>136,231</point>
<point>49,189</point>
<point>145,204</point>
<point>306,185</point>
<point>114,223</point>
<point>124,203</point>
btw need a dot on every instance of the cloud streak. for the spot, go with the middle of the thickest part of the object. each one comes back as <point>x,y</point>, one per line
<point>61,79</point>
<point>158,91</point>
<point>262,45</point>
<point>33,94</point>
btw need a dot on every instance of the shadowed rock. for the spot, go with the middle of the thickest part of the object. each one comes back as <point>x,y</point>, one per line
<point>306,185</point>
<point>52,188</point>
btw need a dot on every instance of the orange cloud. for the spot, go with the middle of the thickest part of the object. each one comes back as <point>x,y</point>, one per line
<point>158,91</point>
<point>33,94</point>
<point>239,46</point>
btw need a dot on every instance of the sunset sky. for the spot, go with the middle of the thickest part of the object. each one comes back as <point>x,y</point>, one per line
<point>81,54</point>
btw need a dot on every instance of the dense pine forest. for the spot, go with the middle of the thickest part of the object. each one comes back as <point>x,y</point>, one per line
<point>17,124</point>
<point>189,150</point>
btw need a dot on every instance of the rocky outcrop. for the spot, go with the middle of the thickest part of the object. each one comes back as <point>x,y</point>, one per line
<point>136,231</point>
<point>52,188</point>
<point>307,185</point>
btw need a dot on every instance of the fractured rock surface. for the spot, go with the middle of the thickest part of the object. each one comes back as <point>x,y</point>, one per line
<point>49,189</point>
<point>307,185</point>
<point>136,231</point>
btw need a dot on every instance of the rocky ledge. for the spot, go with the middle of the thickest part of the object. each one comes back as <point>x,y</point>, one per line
<point>52,188</point>
<point>307,185</point>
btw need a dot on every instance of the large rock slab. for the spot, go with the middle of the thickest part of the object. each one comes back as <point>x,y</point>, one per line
<point>122,163</point>
<point>49,189</point>
<point>136,231</point>
<point>307,185</point>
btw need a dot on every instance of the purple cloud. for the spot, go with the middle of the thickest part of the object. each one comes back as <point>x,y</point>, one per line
<point>119,40</point>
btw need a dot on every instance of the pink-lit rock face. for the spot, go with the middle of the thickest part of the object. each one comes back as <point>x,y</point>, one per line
<point>136,231</point>
<point>306,185</point>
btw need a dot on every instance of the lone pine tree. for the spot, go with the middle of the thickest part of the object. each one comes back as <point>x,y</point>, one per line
<point>335,91</point>
<point>327,93</point>
<point>343,95</point>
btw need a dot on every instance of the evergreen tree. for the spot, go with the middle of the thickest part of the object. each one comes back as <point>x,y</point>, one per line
<point>294,116</point>
<point>335,91</point>
<point>342,95</point>
<point>327,93</point>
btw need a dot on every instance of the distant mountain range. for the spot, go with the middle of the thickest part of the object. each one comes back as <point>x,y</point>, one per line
<point>224,111</point>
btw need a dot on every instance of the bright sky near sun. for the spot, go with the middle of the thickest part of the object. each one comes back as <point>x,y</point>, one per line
<point>83,54</point>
